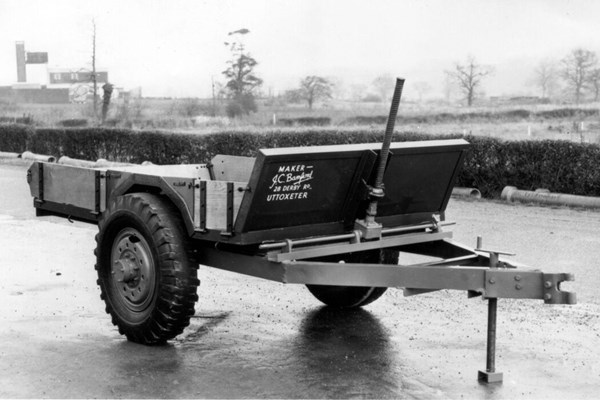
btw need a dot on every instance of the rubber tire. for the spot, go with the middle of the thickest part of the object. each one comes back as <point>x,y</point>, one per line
<point>171,296</point>
<point>353,296</point>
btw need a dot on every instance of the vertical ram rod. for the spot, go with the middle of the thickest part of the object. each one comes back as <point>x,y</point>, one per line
<point>389,131</point>
<point>377,191</point>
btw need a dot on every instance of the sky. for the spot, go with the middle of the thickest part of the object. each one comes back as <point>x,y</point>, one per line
<point>175,48</point>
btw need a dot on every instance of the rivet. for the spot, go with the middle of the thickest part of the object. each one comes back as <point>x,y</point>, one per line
<point>518,286</point>
<point>492,280</point>
<point>517,278</point>
<point>547,296</point>
<point>548,284</point>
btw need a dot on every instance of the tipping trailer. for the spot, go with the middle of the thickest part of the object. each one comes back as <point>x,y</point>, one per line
<point>334,218</point>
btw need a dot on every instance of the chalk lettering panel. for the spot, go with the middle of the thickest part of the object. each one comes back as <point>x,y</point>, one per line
<point>301,189</point>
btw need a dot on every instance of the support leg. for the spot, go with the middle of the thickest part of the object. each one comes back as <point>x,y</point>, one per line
<point>490,375</point>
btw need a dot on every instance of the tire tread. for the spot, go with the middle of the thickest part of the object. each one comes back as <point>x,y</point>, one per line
<point>177,275</point>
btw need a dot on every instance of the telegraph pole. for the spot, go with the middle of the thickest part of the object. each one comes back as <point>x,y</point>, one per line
<point>94,80</point>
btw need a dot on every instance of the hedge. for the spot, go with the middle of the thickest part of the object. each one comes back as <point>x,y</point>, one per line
<point>73,122</point>
<point>15,138</point>
<point>483,116</point>
<point>559,166</point>
<point>305,121</point>
<point>491,164</point>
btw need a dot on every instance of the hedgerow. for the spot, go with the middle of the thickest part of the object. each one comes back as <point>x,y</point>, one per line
<point>477,116</point>
<point>490,165</point>
<point>559,166</point>
<point>73,122</point>
<point>305,121</point>
<point>14,138</point>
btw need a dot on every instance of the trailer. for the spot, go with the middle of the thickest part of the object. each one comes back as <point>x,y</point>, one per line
<point>333,218</point>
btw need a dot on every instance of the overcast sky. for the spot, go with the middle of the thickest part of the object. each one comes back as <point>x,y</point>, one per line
<point>175,47</point>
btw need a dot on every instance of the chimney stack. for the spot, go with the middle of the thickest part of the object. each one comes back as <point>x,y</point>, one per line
<point>21,71</point>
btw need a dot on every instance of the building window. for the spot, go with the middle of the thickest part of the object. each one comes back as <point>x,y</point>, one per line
<point>56,77</point>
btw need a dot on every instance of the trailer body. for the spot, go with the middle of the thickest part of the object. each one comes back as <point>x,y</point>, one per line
<point>282,194</point>
<point>290,215</point>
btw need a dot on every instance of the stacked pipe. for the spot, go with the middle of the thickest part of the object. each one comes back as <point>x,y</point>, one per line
<point>543,196</point>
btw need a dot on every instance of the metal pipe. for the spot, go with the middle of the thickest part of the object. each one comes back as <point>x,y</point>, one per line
<point>511,193</point>
<point>389,231</point>
<point>74,162</point>
<point>5,154</point>
<point>349,236</point>
<point>28,155</point>
<point>100,163</point>
<point>466,192</point>
<point>278,245</point>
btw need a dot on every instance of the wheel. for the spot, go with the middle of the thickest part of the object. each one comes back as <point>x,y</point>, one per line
<point>146,272</point>
<point>353,296</point>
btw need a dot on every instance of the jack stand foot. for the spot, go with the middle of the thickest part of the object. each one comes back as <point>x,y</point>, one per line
<point>489,377</point>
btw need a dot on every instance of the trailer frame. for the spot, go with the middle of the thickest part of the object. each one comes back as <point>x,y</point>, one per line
<point>226,212</point>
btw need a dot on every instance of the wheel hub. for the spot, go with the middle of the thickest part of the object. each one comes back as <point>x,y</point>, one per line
<point>132,269</point>
<point>127,270</point>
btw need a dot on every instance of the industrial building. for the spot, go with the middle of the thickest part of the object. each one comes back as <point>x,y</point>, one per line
<point>50,85</point>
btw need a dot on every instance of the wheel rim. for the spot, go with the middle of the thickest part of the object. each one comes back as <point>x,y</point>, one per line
<point>132,270</point>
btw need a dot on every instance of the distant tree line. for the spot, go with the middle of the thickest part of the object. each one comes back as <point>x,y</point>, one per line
<point>576,76</point>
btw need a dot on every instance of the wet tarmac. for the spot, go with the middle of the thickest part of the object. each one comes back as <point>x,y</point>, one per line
<point>252,338</point>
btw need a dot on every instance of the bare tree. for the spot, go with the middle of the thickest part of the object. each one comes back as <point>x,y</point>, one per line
<point>546,77</point>
<point>313,88</point>
<point>469,76</point>
<point>576,70</point>
<point>384,85</point>
<point>422,88</point>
